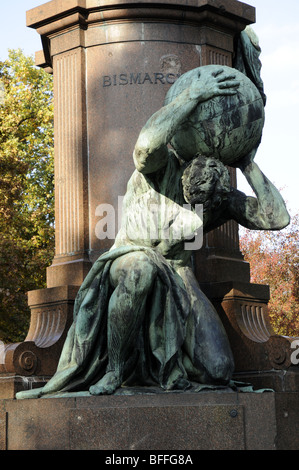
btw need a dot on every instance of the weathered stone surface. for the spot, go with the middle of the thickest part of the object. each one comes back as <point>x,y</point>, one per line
<point>3,427</point>
<point>167,422</point>
<point>287,411</point>
<point>38,425</point>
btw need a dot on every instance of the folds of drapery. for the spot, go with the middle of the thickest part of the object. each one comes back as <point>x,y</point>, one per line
<point>158,352</point>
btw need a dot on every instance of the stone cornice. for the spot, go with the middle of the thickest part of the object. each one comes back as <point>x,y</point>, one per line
<point>57,15</point>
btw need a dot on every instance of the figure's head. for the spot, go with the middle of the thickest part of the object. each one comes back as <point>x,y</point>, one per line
<point>205,180</point>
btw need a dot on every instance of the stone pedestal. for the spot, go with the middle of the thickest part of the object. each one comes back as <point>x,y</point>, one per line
<point>172,423</point>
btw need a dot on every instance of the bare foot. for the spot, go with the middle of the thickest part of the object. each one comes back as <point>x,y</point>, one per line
<point>107,385</point>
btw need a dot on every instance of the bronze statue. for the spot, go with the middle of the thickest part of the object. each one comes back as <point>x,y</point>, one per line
<point>140,317</point>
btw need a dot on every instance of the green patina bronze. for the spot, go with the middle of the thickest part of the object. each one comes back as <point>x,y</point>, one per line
<point>140,317</point>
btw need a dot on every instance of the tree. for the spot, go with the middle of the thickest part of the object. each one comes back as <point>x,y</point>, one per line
<point>274,260</point>
<point>26,188</point>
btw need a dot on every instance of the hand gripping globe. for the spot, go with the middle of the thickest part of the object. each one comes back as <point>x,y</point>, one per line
<point>225,127</point>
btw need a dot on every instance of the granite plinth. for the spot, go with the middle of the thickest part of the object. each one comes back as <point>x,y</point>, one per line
<point>167,421</point>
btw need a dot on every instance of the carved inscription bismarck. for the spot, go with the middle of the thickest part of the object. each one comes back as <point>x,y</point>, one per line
<point>139,78</point>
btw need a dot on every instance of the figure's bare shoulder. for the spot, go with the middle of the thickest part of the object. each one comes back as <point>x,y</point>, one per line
<point>148,160</point>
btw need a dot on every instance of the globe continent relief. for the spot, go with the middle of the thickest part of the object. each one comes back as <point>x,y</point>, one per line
<point>224,127</point>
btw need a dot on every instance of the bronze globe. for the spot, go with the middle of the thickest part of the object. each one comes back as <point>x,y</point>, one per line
<point>224,127</point>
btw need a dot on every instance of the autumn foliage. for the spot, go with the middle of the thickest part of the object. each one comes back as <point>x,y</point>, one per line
<point>26,188</point>
<point>274,260</point>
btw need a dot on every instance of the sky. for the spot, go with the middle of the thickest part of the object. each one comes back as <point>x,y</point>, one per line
<point>277,27</point>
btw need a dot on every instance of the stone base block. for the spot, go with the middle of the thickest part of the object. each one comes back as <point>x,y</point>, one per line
<point>11,384</point>
<point>165,421</point>
<point>64,274</point>
<point>278,380</point>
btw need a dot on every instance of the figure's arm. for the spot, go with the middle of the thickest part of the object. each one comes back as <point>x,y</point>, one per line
<point>151,151</point>
<point>265,212</point>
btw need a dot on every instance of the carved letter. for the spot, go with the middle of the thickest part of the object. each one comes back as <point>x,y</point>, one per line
<point>123,79</point>
<point>147,77</point>
<point>106,80</point>
<point>160,77</point>
<point>170,78</point>
<point>135,78</point>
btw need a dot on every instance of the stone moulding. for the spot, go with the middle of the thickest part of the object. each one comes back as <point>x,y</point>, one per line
<point>51,314</point>
<point>243,309</point>
<point>75,14</point>
<point>56,9</point>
